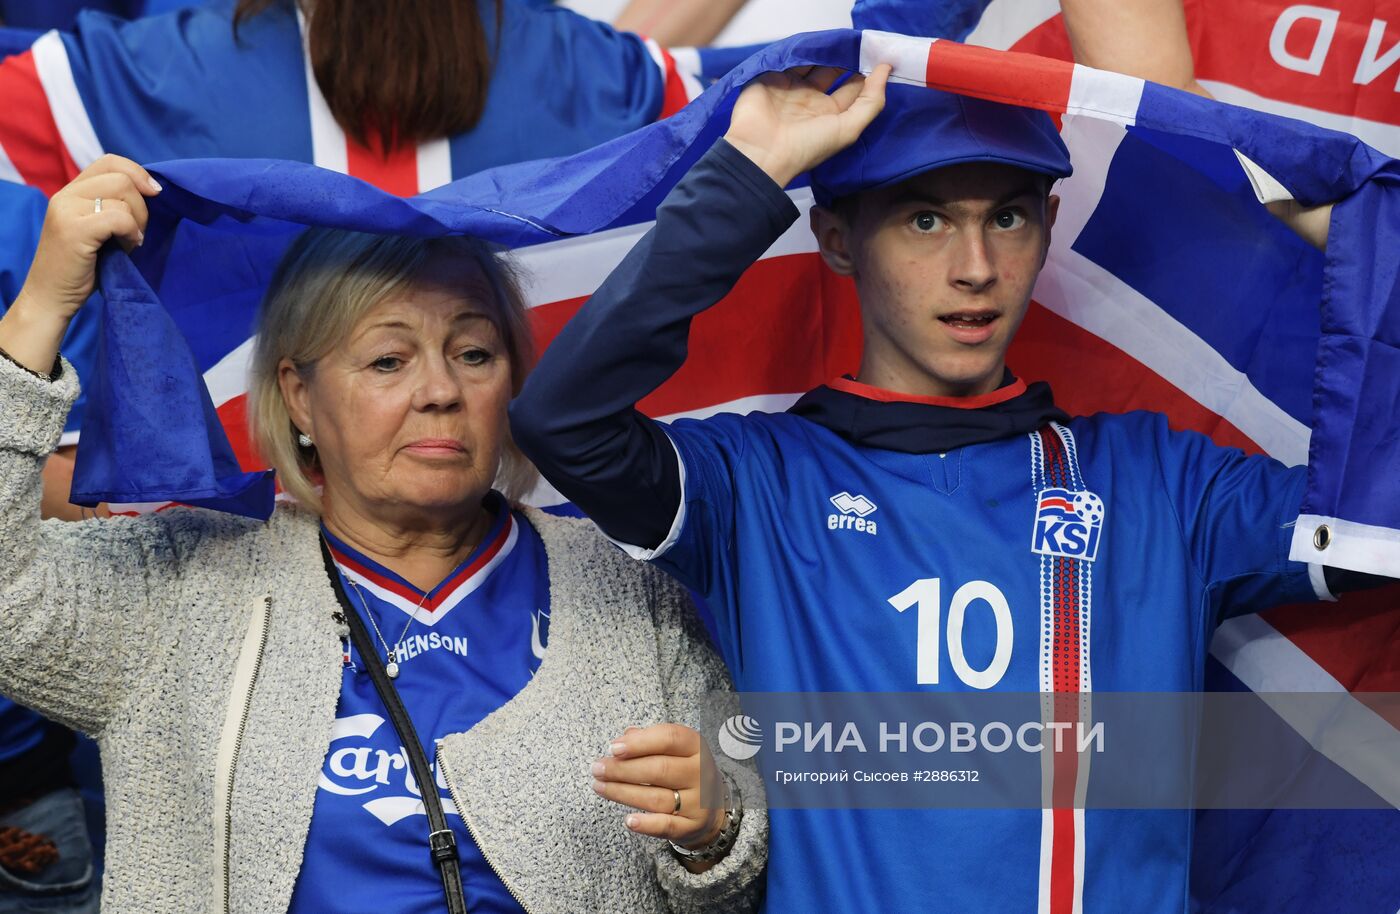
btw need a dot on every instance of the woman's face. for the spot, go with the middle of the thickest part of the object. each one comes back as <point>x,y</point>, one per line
<point>408,413</point>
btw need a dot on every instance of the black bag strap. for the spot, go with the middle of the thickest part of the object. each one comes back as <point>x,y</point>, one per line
<point>442,843</point>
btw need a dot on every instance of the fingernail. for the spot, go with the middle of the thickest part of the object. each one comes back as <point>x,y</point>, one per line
<point>618,749</point>
<point>155,185</point>
<point>597,786</point>
<point>140,238</point>
<point>632,822</point>
<point>598,769</point>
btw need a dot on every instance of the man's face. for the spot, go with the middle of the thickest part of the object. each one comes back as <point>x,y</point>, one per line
<point>944,263</point>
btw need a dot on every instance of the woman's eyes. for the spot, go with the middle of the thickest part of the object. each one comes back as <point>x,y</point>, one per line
<point>476,356</point>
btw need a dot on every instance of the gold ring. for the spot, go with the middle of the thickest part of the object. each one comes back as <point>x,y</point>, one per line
<point>676,810</point>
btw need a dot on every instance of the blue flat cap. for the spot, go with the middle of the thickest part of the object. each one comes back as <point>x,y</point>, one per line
<point>923,129</point>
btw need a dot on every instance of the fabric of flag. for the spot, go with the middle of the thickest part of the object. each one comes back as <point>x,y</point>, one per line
<point>179,85</point>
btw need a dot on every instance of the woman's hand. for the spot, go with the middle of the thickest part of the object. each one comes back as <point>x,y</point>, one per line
<point>648,767</point>
<point>64,270</point>
<point>787,123</point>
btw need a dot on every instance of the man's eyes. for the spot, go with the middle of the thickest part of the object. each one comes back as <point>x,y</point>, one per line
<point>1005,220</point>
<point>926,222</point>
<point>1009,219</point>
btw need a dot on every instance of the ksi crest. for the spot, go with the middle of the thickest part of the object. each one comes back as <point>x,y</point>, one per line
<point>1067,524</point>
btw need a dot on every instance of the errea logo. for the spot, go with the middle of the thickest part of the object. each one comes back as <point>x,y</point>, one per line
<point>854,509</point>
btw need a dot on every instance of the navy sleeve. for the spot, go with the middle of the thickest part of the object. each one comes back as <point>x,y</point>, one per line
<point>576,417</point>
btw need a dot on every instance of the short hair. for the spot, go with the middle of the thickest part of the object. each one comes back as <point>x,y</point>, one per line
<point>326,282</point>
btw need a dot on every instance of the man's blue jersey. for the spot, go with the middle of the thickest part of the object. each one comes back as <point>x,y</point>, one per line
<point>810,549</point>
<point>473,643</point>
<point>1054,555</point>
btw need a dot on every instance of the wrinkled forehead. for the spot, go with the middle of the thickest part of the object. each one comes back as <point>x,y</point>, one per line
<point>445,290</point>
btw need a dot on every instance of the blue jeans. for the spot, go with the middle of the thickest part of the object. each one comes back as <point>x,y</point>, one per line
<point>68,885</point>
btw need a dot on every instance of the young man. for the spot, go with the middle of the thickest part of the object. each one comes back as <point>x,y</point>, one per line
<point>1088,553</point>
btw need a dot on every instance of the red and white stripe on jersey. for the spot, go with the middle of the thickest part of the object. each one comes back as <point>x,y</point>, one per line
<point>46,137</point>
<point>405,171</point>
<point>1066,588</point>
<point>679,68</point>
<point>447,595</point>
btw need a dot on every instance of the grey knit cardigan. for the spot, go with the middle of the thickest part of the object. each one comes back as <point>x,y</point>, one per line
<point>175,637</point>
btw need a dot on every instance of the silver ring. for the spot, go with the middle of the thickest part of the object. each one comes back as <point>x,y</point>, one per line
<point>97,205</point>
<point>676,810</point>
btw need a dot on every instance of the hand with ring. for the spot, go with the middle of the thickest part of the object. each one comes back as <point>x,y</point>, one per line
<point>663,771</point>
<point>106,202</point>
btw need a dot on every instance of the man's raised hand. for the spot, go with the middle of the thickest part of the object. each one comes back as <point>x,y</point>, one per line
<point>786,123</point>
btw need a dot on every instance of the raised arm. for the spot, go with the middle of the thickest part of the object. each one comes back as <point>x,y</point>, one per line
<point>66,635</point>
<point>678,23</point>
<point>576,417</point>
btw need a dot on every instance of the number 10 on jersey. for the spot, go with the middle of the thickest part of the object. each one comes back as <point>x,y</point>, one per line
<point>925,595</point>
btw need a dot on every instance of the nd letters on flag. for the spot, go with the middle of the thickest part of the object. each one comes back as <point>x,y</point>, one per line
<point>1211,314</point>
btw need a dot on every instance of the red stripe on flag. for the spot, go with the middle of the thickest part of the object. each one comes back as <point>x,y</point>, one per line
<point>999,76</point>
<point>1342,637</point>
<point>1090,375</point>
<point>395,172</point>
<point>28,131</point>
<point>789,325</point>
<point>674,97</point>
<point>233,415</point>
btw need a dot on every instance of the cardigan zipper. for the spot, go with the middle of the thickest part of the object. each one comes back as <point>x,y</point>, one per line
<point>245,678</point>
<point>462,811</point>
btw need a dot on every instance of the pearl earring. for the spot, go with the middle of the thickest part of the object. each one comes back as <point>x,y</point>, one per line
<point>304,440</point>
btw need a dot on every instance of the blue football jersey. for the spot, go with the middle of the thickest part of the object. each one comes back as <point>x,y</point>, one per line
<point>1096,555</point>
<point>475,642</point>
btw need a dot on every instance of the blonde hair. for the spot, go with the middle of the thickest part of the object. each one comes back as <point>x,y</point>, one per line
<point>327,280</point>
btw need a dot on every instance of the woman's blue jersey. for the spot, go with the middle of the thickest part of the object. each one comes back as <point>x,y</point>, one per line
<point>465,649</point>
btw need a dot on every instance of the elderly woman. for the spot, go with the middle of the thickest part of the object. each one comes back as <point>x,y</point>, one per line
<point>270,698</point>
